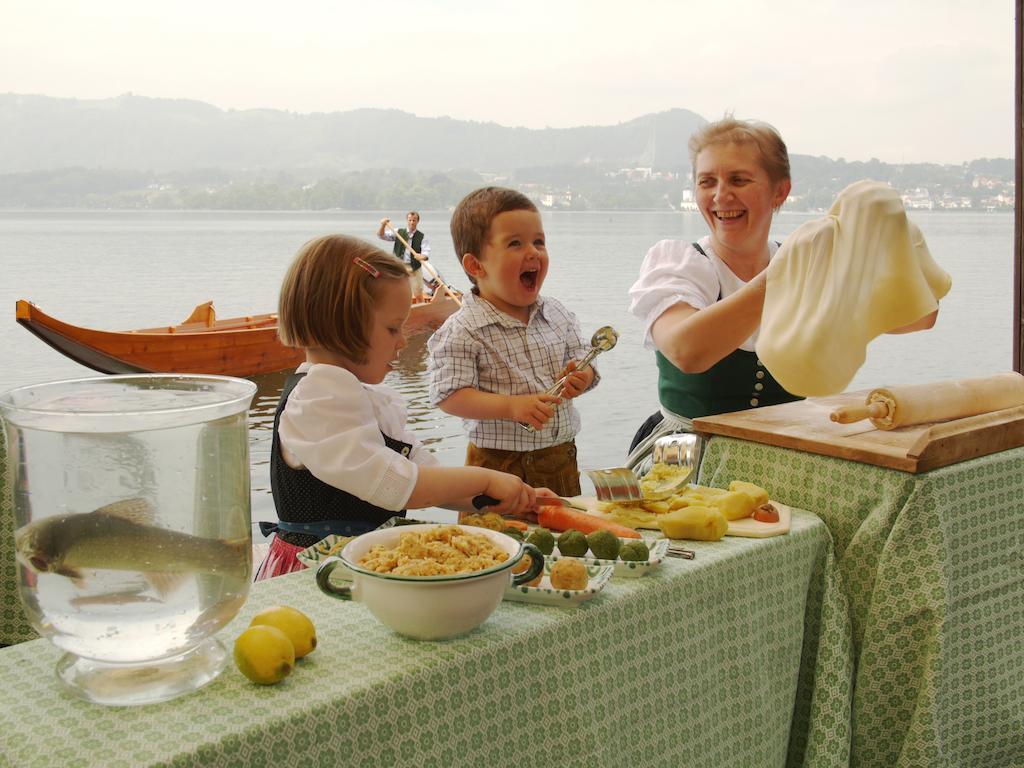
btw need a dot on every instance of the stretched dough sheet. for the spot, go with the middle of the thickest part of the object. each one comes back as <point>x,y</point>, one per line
<point>943,400</point>
<point>838,282</point>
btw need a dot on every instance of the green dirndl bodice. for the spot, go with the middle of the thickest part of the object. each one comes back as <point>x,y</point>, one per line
<point>735,383</point>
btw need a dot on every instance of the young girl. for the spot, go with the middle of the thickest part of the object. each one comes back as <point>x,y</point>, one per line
<point>342,459</point>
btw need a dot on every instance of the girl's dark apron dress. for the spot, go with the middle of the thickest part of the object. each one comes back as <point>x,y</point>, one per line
<point>308,509</point>
<point>736,382</point>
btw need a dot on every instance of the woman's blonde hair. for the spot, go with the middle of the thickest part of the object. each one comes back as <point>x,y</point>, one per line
<point>328,294</point>
<point>729,130</point>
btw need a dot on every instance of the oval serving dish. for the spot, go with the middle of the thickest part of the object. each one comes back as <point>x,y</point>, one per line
<point>544,594</point>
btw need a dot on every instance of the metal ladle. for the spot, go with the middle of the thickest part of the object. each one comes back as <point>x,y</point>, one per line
<point>621,485</point>
<point>604,338</point>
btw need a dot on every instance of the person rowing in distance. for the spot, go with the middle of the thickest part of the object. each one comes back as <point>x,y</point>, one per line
<point>413,256</point>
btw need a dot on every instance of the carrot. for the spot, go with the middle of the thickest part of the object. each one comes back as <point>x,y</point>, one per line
<point>519,525</point>
<point>562,519</point>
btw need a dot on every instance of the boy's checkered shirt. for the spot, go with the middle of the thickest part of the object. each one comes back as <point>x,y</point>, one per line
<point>485,349</point>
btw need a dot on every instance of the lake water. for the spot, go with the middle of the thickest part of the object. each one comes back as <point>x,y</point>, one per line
<point>117,270</point>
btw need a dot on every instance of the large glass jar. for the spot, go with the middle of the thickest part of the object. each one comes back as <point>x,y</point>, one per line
<point>132,526</point>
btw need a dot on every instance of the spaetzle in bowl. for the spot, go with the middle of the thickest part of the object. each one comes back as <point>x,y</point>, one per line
<point>430,582</point>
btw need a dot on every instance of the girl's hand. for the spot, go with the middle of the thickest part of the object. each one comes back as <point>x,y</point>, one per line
<point>534,410</point>
<point>515,498</point>
<point>576,382</point>
<point>529,514</point>
<point>542,493</point>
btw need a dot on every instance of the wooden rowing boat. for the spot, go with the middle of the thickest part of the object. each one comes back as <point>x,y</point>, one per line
<point>236,346</point>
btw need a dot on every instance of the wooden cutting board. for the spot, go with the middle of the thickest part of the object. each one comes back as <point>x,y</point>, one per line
<point>746,527</point>
<point>805,426</point>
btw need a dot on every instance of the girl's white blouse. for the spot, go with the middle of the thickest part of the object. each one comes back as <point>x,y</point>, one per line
<point>332,425</point>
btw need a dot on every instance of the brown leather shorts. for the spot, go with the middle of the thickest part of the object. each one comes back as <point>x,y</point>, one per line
<point>553,467</point>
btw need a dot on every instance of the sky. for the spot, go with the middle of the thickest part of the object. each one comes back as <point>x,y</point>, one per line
<point>896,80</point>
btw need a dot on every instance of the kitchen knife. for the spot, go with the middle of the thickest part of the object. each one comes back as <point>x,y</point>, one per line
<point>479,502</point>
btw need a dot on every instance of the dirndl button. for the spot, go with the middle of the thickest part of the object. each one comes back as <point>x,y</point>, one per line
<point>754,401</point>
<point>758,387</point>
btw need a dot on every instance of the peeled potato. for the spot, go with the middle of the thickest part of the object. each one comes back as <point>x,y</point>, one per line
<point>693,522</point>
<point>661,475</point>
<point>631,517</point>
<point>756,492</point>
<point>736,503</point>
<point>705,490</point>
<point>657,507</point>
<point>678,502</point>
<point>732,504</point>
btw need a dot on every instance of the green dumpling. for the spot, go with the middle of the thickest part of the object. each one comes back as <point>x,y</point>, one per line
<point>604,545</point>
<point>635,550</point>
<point>572,543</point>
<point>542,539</point>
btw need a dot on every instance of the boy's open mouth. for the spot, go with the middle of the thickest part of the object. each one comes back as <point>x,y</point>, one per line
<point>529,278</point>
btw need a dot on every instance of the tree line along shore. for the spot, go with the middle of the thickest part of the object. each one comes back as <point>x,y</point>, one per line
<point>980,185</point>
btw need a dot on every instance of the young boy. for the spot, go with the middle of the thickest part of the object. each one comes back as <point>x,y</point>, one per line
<point>491,361</point>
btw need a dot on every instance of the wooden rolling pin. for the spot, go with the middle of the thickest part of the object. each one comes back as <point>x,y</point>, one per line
<point>892,407</point>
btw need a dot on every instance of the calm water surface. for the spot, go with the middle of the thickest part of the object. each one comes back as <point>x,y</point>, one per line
<point>123,270</point>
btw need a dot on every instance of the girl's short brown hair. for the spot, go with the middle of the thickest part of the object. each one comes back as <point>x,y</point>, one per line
<point>473,216</point>
<point>328,294</point>
<point>729,130</point>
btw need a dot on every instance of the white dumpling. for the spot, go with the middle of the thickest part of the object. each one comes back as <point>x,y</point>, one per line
<point>838,282</point>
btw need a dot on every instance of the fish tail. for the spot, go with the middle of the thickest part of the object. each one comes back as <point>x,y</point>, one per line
<point>165,582</point>
<point>229,557</point>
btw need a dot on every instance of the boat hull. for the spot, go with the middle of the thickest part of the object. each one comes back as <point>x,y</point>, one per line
<point>244,346</point>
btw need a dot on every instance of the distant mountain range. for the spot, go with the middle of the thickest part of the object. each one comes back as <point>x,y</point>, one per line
<point>139,152</point>
<point>39,133</point>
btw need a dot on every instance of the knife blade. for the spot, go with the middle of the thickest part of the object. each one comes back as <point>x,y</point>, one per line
<point>479,502</point>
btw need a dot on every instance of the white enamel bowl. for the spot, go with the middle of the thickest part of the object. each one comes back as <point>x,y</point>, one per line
<point>427,607</point>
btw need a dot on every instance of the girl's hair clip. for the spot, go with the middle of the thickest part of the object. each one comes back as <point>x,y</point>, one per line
<point>373,271</point>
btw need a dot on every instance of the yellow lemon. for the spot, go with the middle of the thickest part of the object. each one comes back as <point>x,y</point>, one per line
<point>292,622</point>
<point>264,654</point>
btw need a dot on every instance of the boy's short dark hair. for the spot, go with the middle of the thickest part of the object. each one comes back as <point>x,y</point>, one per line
<point>328,294</point>
<point>473,216</point>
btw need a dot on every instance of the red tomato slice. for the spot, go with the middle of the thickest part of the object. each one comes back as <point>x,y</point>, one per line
<point>766,513</point>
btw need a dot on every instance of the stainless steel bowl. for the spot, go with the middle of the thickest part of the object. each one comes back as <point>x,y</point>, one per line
<point>681,449</point>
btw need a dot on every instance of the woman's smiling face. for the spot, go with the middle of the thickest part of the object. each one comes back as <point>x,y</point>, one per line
<point>736,197</point>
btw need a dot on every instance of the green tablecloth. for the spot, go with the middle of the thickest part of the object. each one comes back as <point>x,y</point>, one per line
<point>932,566</point>
<point>700,662</point>
<point>14,627</point>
